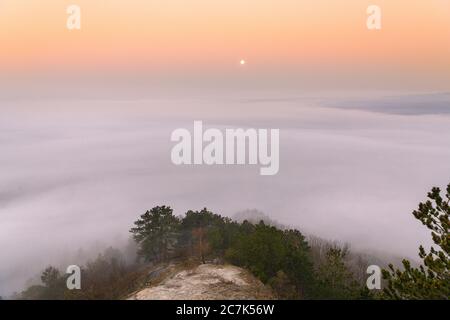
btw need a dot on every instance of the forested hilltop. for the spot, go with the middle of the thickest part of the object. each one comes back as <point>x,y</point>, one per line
<point>292,266</point>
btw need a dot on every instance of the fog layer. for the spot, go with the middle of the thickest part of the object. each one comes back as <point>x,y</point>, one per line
<point>73,172</point>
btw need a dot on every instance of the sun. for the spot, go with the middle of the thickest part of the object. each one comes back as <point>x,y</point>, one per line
<point>242,62</point>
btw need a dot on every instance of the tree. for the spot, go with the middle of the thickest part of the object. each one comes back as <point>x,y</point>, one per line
<point>103,278</point>
<point>335,280</point>
<point>50,277</point>
<point>261,250</point>
<point>275,256</point>
<point>283,286</point>
<point>432,279</point>
<point>156,233</point>
<point>204,232</point>
<point>53,286</point>
<point>106,277</point>
<point>201,246</point>
<point>298,263</point>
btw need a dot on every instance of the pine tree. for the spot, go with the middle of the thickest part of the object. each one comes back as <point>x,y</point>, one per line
<point>50,276</point>
<point>335,280</point>
<point>432,279</point>
<point>156,232</point>
<point>202,232</point>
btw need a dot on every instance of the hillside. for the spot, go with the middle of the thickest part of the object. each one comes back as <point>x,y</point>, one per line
<point>202,282</point>
<point>172,253</point>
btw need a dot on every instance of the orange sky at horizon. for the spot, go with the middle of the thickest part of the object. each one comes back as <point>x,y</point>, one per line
<point>204,35</point>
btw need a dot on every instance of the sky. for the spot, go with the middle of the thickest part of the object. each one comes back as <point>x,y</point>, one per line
<point>86,117</point>
<point>315,41</point>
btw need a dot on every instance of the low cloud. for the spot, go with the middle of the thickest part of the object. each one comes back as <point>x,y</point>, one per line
<point>77,172</point>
